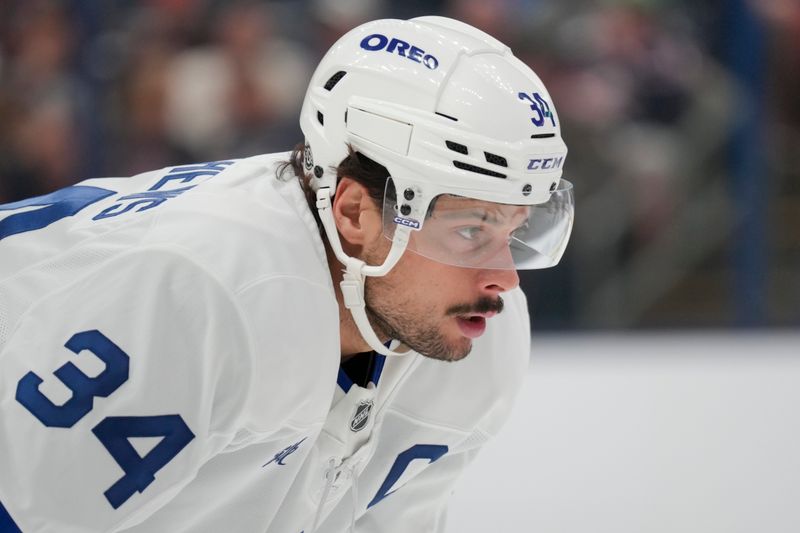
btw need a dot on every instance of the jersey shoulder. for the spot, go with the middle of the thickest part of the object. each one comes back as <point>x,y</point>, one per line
<point>246,227</point>
<point>236,218</point>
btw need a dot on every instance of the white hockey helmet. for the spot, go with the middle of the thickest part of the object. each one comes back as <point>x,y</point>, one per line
<point>454,117</point>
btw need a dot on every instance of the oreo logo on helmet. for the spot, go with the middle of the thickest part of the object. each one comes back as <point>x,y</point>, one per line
<point>377,41</point>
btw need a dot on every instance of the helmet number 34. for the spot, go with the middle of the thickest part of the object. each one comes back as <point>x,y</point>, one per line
<point>540,107</point>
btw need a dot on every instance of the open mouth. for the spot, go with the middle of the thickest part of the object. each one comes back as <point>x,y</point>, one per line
<point>472,326</point>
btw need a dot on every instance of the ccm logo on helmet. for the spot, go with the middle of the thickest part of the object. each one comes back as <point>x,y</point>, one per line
<point>408,222</point>
<point>546,163</point>
<point>376,42</point>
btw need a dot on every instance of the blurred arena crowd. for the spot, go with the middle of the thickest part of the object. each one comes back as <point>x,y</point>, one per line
<point>649,95</point>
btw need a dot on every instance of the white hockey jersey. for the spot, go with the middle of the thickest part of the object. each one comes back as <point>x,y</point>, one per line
<point>169,362</point>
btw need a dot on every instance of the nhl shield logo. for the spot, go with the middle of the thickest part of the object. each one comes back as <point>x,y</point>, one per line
<point>361,417</point>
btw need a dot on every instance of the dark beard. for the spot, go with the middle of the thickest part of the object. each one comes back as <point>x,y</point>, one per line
<point>423,338</point>
<point>427,341</point>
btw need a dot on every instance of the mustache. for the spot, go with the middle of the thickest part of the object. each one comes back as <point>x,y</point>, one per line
<point>484,305</point>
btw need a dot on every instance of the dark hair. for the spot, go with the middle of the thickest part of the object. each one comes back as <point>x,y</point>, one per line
<point>355,166</point>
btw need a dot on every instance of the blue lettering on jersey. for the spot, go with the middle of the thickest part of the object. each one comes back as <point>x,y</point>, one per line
<point>429,452</point>
<point>84,389</point>
<point>188,173</point>
<point>377,41</point>
<point>62,203</point>
<point>70,200</point>
<point>144,200</point>
<point>113,432</point>
<point>7,524</point>
<point>284,453</point>
<point>155,195</point>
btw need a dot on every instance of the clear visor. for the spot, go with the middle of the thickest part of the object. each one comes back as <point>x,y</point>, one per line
<point>472,233</point>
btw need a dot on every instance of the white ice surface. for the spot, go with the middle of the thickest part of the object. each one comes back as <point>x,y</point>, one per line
<point>667,433</point>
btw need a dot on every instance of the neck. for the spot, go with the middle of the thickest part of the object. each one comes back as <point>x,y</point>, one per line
<point>350,340</point>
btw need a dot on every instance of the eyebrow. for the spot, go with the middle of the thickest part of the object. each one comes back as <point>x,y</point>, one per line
<point>482,214</point>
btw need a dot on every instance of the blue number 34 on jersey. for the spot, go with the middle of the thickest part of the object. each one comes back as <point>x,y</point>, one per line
<point>114,431</point>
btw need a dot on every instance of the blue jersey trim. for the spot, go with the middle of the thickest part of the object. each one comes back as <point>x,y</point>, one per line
<point>377,370</point>
<point>344,381</point>
<point>7,524</point>
<point>431,452</point>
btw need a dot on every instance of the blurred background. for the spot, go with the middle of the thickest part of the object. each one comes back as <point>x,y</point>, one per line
<point>663,387</point>
<point>682,119</point>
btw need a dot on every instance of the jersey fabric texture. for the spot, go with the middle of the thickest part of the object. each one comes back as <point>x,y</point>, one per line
<point>169,361</point>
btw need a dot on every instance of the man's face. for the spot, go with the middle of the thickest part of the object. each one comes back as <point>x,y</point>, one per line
<point>435,308</point>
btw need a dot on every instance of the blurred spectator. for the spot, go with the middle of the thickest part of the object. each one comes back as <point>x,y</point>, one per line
<point>40,101</point>
<point>648,111</point>
<point>782,20</point>
<point>332,18</point>
<point>491,16</point>
<point>142,141</point>
<point>241,94</point>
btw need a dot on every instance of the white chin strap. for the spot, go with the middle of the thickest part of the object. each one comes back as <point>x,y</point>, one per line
<point>356,270</point>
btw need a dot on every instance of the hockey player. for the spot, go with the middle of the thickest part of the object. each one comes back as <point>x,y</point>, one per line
<point>259,345</point>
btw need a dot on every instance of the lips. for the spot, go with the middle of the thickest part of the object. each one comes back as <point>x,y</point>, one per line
<point>473,326</point>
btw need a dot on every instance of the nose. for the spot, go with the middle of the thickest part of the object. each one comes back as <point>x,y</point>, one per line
<point>498,280</point>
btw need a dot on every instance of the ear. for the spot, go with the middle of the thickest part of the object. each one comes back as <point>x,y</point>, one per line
<point>358,219</point>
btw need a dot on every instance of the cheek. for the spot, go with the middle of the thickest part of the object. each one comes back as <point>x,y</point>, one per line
<point>430,281</point>
<point>375,252</point>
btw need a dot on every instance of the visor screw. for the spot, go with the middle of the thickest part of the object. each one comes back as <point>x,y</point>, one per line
<point>553,186</point>
<point>318,171</point>
<point>526,189</point>
<point>408,194</point>
<point>405,210</point>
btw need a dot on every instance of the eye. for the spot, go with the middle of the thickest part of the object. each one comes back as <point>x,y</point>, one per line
<point>470,233</point>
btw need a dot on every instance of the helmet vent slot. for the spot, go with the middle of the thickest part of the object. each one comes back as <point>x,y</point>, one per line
<point>478,170</point>
<point>320,118</point>
<point>543,135</point>
<point>454,119</point>
<point>457,147</point>
<point>496,159</point>
<point>331,83</point>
